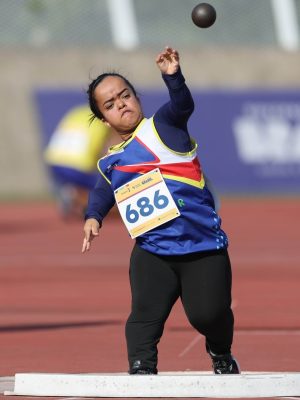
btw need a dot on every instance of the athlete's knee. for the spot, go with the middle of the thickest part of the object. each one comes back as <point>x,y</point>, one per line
<point>203,319</point>
<point>144,311</point>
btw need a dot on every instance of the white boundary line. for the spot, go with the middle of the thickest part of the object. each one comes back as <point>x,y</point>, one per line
<point>190,346</point>
<point>165,384</point>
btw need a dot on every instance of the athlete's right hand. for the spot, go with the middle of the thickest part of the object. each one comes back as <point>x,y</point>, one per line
<point>91,230</point>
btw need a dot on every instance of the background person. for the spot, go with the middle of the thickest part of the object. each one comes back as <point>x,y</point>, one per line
<point>71,155</point>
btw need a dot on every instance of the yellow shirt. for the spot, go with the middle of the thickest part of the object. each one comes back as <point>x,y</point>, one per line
<point>75,143</point>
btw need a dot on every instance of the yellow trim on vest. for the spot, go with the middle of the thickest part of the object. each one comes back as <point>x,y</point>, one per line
<point>198,184</point>
<point>119,146</point>
<point>189,153</point>
<point>99,169</point>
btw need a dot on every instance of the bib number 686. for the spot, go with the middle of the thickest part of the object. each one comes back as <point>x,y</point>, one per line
<point>145,208</point>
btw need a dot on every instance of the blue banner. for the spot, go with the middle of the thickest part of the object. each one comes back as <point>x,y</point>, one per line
<point>248,141</point>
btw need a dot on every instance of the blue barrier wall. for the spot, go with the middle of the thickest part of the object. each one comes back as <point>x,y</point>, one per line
<point>248,140</point>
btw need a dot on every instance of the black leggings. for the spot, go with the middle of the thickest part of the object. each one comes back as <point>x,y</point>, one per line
<point>201,280</point>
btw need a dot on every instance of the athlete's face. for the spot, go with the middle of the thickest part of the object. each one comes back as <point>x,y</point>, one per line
<point>119,106</point>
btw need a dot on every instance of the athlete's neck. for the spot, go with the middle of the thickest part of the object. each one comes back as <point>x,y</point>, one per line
<point>126,136</point>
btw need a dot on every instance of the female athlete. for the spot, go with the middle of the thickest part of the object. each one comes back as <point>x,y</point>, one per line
<point>180,249</point>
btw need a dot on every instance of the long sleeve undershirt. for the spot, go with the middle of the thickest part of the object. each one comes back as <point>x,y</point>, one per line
<point>170,121</point>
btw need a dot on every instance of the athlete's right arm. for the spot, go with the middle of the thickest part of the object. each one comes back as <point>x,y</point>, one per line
<point>91,230</point>
<point>101,200</point>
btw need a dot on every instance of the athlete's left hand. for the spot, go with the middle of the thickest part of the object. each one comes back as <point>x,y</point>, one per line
<point>168,61</point>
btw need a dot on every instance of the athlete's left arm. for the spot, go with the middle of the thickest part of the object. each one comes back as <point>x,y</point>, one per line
<point>171,119</point>
<point>181,105</point>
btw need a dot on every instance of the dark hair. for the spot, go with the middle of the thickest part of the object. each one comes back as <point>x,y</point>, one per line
<point>96,113</point>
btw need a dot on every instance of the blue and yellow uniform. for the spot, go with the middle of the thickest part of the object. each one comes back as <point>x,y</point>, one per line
<point>198,224</point>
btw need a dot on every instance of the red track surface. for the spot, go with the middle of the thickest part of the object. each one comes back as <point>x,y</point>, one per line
<point>64,312</point>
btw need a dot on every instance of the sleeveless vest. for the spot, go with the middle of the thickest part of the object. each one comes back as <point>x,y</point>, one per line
<point>198,228</point>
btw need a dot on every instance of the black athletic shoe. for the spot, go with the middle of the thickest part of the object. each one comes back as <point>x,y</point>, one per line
<point>225,364</point>
<point>138,369</point>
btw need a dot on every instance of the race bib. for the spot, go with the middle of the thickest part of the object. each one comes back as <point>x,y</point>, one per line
<point>145,203</point>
